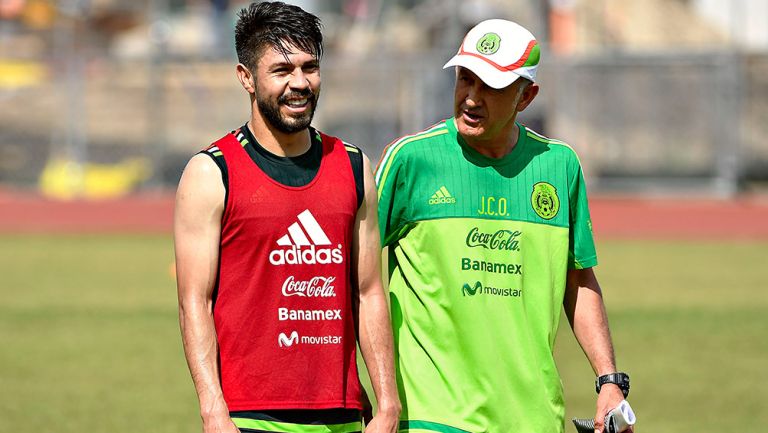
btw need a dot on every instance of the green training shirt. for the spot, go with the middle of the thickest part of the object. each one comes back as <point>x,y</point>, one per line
<point>478,254</point>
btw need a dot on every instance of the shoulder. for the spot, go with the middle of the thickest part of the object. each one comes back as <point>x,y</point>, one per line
<point>218,148</point>
<point>558,148</point>
<point>407,145</point>
<point>216,154</point>
<point>213,150</point>
<point>200,186</point>
<point>203,165</point>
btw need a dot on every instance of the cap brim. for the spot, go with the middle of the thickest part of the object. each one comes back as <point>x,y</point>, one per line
<point>486,72</point>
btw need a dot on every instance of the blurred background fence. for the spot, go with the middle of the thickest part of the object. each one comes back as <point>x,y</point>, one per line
<point>101,98</point>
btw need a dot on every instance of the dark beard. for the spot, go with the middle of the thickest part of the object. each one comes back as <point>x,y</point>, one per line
<point>285,124</point>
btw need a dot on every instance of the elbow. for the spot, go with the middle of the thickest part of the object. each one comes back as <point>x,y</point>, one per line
<point>194,306</point>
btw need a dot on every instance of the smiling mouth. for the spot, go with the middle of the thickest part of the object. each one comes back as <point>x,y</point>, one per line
<point>297,100</point>
<point>297,103</point>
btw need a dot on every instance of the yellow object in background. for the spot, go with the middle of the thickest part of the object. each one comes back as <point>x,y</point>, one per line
<point>17,73</point>
<point>65,179</point>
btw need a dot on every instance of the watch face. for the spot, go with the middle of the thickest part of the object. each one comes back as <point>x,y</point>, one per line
<point>619,379</point>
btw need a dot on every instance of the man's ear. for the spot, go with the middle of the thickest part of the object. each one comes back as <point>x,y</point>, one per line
<point>246,78</point>
<point>529,94</point>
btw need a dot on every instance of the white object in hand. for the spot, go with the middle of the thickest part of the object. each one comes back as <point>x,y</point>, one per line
<point>623,416</point>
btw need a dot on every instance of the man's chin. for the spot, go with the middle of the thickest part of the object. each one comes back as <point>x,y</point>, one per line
<point>300,123</point>
<point>298,119</point>
<point>292,125</point>
<point>470,131</point>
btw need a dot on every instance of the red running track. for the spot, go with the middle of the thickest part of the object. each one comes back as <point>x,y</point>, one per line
<point>151,213</point>
<point>744,218</point>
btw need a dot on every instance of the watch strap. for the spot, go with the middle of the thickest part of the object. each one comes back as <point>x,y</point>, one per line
<point>619,379</point>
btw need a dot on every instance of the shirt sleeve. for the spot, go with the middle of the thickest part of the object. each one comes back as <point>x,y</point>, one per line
<point>581,247</point>
<point>389,174</point>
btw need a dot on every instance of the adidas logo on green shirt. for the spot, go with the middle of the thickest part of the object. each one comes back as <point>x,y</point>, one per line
<point>442,196</point>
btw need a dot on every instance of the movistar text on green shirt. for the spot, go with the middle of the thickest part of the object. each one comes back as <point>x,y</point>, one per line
<point>479,289</point>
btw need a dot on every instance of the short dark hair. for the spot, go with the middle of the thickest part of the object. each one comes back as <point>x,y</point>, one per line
<point>277,25</point>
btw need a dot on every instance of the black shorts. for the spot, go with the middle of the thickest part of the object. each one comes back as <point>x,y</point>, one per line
<point>298,421</point>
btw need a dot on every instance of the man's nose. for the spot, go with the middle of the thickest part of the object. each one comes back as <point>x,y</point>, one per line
<point>471,100</point>
<point>474,95</point>
<point>299,80</point>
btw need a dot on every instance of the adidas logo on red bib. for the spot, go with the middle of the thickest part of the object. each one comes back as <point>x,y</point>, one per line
<point>303,245</point>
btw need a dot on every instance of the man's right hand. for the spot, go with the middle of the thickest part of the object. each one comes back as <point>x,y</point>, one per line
<point>384,422</point>
<point>219,424</point>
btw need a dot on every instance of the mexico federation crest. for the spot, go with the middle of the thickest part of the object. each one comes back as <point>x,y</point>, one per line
<point>488,44</point>
<point>544,200</point>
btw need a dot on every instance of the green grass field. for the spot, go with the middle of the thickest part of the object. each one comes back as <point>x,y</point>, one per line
<point>89,337</point>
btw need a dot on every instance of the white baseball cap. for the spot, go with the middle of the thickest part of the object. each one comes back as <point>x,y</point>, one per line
<point>498,51</point>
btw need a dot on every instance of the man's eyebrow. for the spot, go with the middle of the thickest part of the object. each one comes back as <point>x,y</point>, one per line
<point>289,64</point>
<point>278,65</point>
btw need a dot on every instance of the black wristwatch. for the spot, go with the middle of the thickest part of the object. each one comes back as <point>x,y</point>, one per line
<point>620,379</point>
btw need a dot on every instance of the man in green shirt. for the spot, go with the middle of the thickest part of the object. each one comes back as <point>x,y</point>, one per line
<point>489,233</point>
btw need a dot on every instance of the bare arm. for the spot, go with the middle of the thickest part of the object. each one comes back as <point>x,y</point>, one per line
<point>586,312</point>
<point>374,327</point>
<point>197,228</point>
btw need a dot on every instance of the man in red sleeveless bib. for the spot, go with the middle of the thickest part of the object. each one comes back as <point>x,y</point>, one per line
<point>278,256</point>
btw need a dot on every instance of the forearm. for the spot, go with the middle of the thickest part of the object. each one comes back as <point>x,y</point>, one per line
<point>376,346</point>
<point>586,312</point>
<point>201,351</point>
<point>374,329</point>
<point>585,309</point>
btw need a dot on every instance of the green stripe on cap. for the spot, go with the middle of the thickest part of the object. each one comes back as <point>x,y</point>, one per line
<point>429,426</point>
<point>533,58</point>
<point>284,427</point>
